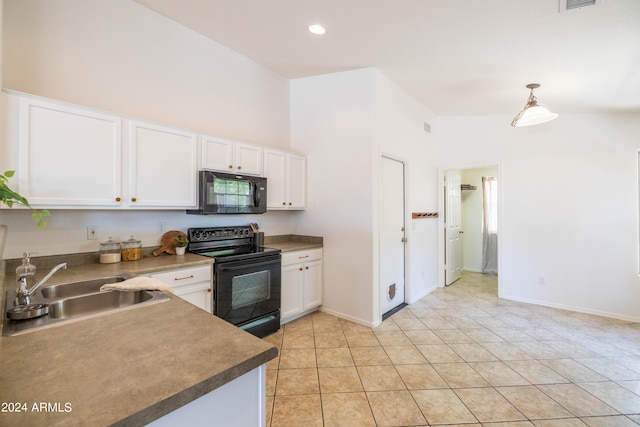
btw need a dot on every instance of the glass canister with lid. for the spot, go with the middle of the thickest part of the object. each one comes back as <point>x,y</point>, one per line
<point>110,252</point>
<point>131,250</point>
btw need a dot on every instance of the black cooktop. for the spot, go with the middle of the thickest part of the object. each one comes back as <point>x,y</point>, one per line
<point>238,252</point>
<point>226,243</point>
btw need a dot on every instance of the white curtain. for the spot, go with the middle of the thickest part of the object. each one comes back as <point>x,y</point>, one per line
<point>490,225</point>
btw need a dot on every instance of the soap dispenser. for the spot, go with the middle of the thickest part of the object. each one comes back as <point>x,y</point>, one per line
<point>26,270</point>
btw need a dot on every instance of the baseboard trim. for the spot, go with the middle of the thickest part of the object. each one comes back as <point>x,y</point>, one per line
<point>349,318</point>
<point>574,309</point>
<point>423,294</point>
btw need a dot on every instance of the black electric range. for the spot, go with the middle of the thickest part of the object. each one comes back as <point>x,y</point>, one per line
<point>246,277</point>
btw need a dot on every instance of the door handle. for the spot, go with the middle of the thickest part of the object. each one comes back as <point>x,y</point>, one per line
<point>403,240</point>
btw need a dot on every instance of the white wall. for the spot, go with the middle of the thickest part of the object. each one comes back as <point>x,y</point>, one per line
<point>331,122</point>
<point>400,132</point>
<point>345,122</point>
<point>569,206</point>
<point>121,57</point>
<point>472,217</point>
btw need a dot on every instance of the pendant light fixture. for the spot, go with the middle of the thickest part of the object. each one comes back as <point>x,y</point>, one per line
<point>532,113</point>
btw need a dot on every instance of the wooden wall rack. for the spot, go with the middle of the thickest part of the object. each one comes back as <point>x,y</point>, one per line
<point>420,215</point>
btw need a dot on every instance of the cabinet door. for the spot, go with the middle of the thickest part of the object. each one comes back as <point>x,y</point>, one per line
<point>192,284</point>
<point>297,180</point>
<point>217,153</point>
<point>199,295</point>
<point>248,159</point>
<point>162,166</point>
<point>312,285</point>
<point>69,156</point>
<point>275,171</point>
<point>291,294</point>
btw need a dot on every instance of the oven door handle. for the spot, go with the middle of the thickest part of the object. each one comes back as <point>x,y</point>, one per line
<point>244,266</point>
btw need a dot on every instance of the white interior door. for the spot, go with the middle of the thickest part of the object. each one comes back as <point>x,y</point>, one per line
<point>453,232</point>
<point>392,235</point>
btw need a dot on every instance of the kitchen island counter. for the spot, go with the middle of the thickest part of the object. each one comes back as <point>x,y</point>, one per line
<point>126,368</point>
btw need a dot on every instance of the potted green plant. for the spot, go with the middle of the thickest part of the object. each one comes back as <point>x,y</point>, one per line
<point>181,243</point>
<point>9,197</point>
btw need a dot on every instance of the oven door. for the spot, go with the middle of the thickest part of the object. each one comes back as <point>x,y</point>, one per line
<point>247,290</point>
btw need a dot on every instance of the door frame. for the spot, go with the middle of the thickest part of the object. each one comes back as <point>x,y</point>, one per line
<point>407,231</point>
<point>442,171</point>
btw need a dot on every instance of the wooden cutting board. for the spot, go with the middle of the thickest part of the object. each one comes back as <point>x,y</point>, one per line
<point>167,242</point>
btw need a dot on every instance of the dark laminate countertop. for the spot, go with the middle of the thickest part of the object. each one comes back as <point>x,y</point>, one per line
<point>293,242</point>
<point>126,368</point>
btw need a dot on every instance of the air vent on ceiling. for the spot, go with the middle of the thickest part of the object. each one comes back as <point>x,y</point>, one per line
<point>577,4</point>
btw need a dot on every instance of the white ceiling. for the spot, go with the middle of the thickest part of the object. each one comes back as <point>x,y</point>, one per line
<point>455,56</point>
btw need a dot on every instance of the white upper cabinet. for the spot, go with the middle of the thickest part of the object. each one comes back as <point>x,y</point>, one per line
<point>286,180</point>
<point>297,180</point>
<point>275,171</point>
<point>162,167</point>
<point>76,157</point>
<point>230,156</point>
<point>68,156</point>
<point>217,153</point>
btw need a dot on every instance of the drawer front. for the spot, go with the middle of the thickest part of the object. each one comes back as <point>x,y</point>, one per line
<point>297,257</point>
<point>186,276</point>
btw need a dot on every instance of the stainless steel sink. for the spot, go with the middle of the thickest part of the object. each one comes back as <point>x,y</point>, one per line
<point>96,303</point>
<point>78,300</point>
<point>66,290</point>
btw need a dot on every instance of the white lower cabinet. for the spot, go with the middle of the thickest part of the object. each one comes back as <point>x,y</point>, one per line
<point>194,285</point>
<point>301,283</point>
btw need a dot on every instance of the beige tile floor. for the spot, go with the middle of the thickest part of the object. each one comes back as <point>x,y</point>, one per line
<point>459,356</point>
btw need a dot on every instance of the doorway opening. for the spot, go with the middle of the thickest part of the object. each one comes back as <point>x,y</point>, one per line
<point>470,224</point>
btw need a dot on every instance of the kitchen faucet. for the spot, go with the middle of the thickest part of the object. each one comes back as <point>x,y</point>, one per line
<point>23,295</point>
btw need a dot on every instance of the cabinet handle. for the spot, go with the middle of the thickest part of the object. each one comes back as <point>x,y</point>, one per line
<point>239,167</point>
<point>289,203</point>
<point>300,268</point>
<point>230,166</point>
<point>284,203</point>
<point>209,290</point>
<point>306,268</point>
<point>183,278</point>
<point>118,199</point>
<point>133,199</point>
<point>306,256</point>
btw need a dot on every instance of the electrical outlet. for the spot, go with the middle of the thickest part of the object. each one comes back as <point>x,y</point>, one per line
<point>92,232</point>
<point>162,227</point>
<point>541,281</point>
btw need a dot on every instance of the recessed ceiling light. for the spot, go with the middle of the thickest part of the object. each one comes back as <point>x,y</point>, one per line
<point>317,29</point>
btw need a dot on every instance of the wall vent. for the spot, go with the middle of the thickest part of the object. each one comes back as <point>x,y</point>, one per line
<point>577,4</point>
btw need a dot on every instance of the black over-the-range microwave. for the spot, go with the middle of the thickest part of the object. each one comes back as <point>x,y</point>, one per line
<point>225,193</point>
